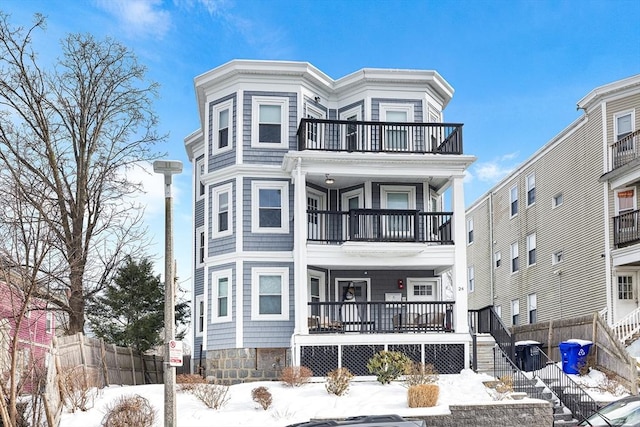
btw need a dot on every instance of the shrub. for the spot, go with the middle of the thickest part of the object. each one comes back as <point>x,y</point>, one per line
<point>423,395</point>
<point>295,376</point>
<point>262,395</point>
<point>505,384</point>
<point>78,387</point>
<point>338,381</point>
<point>215,396</point>
<point>187,382</point>
<point>129,411</point>
<point>419,373</point>
<point>387,365</point>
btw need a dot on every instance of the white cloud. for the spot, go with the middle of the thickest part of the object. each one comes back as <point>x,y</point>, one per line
<point>496,169</point>
<point>139,17</point>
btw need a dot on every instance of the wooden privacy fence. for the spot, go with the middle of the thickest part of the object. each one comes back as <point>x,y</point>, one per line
<point>109,363</point>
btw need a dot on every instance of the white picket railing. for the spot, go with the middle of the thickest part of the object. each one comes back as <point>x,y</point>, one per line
<point>626,327</point>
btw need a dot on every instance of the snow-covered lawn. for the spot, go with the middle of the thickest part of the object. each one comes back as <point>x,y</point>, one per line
<point>298,404</point>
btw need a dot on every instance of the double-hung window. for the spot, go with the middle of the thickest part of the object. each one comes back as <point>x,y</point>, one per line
<point>498,259</point>
<point>513,198</point>
<point>222,210</point>
<point>515,266</point>
<point>531,249</point>
<point>396,136</point>
<point>270,122</point>
<point>470,231</point>
<point>201,246</point>
<point>532,302</point>
<point>221,296</point>
<point>270,207</point>
<point>471,278</point>
<point>199,178</point>
<point>515,311</point>
<point>200,315</point>
<point>531,189</point>
<point>624,128</point>
<point>223,116</point>
<point>270,293</point>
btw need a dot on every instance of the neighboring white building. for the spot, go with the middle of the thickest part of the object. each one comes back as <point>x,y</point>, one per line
<point>559,236</point>
<point>307,187</point>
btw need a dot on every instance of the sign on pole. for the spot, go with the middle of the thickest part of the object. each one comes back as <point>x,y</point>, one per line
<point>175,353</point>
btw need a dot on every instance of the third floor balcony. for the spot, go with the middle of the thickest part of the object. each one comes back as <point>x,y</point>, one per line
<point>625,150</point>
<point>379,137</point>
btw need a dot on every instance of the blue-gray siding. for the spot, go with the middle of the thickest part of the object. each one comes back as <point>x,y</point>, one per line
<point>226,244</point>
<point>227,158</point>
<point>222,335</point>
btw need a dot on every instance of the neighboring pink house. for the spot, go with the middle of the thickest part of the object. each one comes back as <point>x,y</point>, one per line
<point>34,334</point>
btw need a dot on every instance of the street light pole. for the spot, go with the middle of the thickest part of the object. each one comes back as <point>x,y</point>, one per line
<point>168,168</point>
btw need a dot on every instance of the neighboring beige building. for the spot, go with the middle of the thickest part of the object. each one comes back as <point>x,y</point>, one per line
<point>559,237</point>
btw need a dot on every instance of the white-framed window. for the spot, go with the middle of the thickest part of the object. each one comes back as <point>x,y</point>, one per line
<point>513,199</point>
<point>222,210</point>
<point>49,325</point>
<point>624,124</point>
<point>625,287</point>
<point>199,177</point>
<point>202,246</point>
<point>557,257</point>
<point>469,231</point>
<point>531,189</point>
<point>270,207</point>
<point>352,139</point>
<point>515,311</point>
<point>515,265</point>
<point>471,278</point>
<point>498,259</point>
<point>531,249</point>
<point>398,198</point>
<point>270,123</point>
<point>315,131</point>
<point>557,200</point>
<point>200,315</point>
<point>396,137</point>
<point>498,310</point>
<point>625,205</point>
<point>270,293</point>
<point>221,296</point>
<point>223,116</point>
<point>532,307</point>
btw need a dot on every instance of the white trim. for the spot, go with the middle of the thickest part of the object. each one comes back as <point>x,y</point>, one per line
<point>615,198</point>
<point>215,280</point>
<point>554,200</point>
<point>532,298</point>
<point>409,190</point>
<point>385,108</point>
<point>201,245</point>
<point>471,285</point>
<point>200,314</point>
<point>217,191</point>
<point>513,254</point>
<point>529,188</point>
<point>469,231</point>
<point>256,186</point>
<point>531,245</point>
<point>557,257</point>
<point>201,188</point>
<point>620,114</point>
<point>515,310</point>
<point>511,200</point>
<point>217,109</point>
<point>256,273</point>
<point>283,103</point>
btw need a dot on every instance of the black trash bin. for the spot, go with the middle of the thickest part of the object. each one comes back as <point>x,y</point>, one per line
<point>528,357</point>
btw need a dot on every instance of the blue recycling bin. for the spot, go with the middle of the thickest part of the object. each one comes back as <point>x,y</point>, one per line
<point>574,355</point>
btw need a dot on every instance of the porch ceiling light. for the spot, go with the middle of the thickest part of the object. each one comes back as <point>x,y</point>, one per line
<point>328,180</point>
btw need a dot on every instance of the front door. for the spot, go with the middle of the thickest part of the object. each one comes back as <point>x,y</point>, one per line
<point>626,294</point>
<point>315,220</point>
<point>352,293</point>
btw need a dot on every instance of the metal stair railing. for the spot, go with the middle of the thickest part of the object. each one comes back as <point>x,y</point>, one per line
<point>505,370</point>
<point>570,394</point>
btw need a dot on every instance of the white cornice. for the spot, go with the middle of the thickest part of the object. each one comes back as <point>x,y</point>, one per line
<point>629,84</point>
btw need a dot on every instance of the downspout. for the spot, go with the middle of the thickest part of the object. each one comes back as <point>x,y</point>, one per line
<point>492,277</point>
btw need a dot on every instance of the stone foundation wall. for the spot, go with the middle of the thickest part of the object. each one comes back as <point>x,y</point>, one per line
<point>240,365</point>
<point>536,413</point>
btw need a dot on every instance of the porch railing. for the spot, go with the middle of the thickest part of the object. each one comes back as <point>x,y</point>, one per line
<point>380,317</point>
<point>379,225</point>
<point>379,137</point>
<point>625,229</point>
<point>625,150</point>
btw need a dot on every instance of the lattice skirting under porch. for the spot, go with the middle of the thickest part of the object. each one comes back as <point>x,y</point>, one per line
<point>446,358</point>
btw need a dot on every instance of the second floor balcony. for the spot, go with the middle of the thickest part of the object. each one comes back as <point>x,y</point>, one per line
<point>626,231</point>
<point>625,150</point>
<point>379,225</point>
<point>379,137</point>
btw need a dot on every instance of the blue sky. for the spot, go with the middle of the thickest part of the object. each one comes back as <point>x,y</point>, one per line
<point>518,67</point>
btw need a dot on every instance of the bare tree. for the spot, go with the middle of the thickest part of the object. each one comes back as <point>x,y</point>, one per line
<point>68,137</point>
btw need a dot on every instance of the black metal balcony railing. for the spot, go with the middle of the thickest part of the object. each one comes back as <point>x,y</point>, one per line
<point>377,137</point>
<point>380,317</point>
<point>625,150</point>
<point>379,225</point>
<point>625,229</point>
<point>486,320</point>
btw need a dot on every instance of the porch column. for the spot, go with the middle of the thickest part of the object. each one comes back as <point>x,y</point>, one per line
<point>300,250</point>
<point>460,257</point>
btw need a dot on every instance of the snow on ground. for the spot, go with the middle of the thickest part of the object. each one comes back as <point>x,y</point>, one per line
<point>298,404</point>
